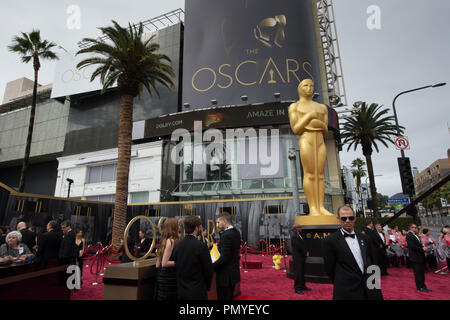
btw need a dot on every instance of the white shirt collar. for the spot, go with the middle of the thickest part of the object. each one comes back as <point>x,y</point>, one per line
<point>343,231</point>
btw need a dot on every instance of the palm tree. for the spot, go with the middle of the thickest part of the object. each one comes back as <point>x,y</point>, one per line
<point>189,171</point>
<point>30,46</point>
<point>134,63</point>
<point>358,172</point>
<point>370,125</point>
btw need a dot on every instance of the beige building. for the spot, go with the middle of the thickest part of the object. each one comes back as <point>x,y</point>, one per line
<point>22,88</point>
<point>431,175</point>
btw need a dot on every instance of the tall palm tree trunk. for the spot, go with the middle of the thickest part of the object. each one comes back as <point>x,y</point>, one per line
<point>26,158</point>
<point>373,188</point>
<point>123,169</point>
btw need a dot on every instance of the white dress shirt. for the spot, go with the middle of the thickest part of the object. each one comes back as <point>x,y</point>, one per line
<point>355,249</point>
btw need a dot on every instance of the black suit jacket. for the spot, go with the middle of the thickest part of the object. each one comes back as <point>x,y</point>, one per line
<point>343,270</point>
<point>374,237</point>
<point>415,248</point>
<point>29,238</point>
<point>48,245</point>
<point>298,246</point>
<point>67,248</point>
<point>227,266</point>
<point>143,246</point>
<point>194,269</point>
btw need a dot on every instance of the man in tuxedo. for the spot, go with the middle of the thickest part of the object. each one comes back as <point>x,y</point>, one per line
<point>382,250</point>
<point>28,237</point>
<point>347,255</point>
<point>227,266</point>
<point>378,246</point>
<point>49,243</point>
<point>368,229</point>
<point>299,254</point>
<point>416,252</point>
<point>67,248</point>
<point>193,264</point>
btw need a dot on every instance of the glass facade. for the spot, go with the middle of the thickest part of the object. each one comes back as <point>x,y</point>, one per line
<point>102,198</point>
<point>139,197</point>
<point>236,171</point>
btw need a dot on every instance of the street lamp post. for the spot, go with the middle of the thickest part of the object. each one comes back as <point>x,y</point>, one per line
<point>407,91</point>
<point>70,181</point>
<point>402,152</point>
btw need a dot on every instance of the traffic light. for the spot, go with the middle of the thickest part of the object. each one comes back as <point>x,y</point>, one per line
<point>406,176</point>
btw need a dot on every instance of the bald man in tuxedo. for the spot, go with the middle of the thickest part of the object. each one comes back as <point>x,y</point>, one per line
<point>347,255</point>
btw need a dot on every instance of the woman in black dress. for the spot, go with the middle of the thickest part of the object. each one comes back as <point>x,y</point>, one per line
<point>80,246</point>
<point>166,283</point>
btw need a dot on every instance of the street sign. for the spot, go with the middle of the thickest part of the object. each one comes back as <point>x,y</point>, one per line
<point>402,143</point>
<point>398,200</point>
<point>444,203</point>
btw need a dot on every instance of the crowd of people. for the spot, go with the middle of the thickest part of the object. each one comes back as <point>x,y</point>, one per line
<point>185,267</point>
<point>23,245</point>
<point>392,247</point>
<point>415,248</point>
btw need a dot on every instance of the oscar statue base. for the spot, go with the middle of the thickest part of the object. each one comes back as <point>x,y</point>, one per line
<point>314,230</point>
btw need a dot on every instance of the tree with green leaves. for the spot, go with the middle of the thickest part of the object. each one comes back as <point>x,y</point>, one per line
<point>31,47</point>
<point>434,199</point>
<point>382,201</point>
<point>367,127</point>
<point>126,58</point>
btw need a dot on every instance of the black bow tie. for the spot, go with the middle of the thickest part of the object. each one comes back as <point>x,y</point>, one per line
<point>349,235</point>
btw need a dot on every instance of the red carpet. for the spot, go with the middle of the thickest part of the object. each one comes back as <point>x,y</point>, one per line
<point>270,284</point>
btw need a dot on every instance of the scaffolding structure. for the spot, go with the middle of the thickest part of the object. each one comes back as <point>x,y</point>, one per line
<point>151,25</point>
<point>331,52</point>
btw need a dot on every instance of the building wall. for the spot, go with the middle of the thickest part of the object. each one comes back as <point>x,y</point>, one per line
<point>334,170</point>
<point>431,175</point>
<point>50,126</point>
<point>350,188</point>
<point>145,174</point>
<point>94,118</point>
<point>16,88</point>
<point>40,177</point>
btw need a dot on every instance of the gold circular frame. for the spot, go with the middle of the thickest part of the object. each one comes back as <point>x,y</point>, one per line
<point>160,223</point>
<point>125,236</point>
<point>209,222</point>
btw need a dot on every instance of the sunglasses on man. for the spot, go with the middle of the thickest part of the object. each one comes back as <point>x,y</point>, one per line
<point>351,218</point>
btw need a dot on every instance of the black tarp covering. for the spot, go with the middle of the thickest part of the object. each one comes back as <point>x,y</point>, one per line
<point>95,218</point>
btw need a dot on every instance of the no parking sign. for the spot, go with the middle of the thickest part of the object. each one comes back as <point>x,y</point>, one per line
<point>402,143</point>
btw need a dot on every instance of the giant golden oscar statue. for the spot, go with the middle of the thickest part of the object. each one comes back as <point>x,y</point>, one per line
<point>309,120</point>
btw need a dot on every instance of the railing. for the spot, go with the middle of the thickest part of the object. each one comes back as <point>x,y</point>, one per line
<point>280,184</point>
<point>244,186</point>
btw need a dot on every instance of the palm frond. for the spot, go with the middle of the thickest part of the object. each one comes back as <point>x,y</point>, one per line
<point>127,59</point>
<point>30,45</point>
